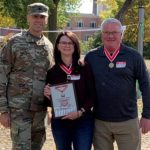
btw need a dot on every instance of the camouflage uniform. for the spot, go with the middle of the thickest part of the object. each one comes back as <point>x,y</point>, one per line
<point>24,62</point>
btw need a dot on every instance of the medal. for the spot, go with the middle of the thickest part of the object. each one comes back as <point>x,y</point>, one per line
<point>111,65</point>
<point>111,57</point>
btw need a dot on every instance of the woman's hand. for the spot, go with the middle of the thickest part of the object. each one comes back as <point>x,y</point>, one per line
<point>47,92</point>
<point>73,115</point>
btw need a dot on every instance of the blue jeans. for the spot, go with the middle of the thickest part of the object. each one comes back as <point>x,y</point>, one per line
<point>77,133</point>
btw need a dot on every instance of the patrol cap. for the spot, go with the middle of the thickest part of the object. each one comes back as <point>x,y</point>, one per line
<point>37,9</point>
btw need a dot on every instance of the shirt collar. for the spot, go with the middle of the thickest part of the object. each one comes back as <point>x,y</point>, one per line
<point>100,50</point>
<point>33,39</point>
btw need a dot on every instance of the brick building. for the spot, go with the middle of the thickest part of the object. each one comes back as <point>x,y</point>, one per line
<point>84,25</point>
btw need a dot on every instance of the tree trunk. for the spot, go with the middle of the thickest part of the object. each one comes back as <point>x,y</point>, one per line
<point>127,4</point>
<point>52,23</point>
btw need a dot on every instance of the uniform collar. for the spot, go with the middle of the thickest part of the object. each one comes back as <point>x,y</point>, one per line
<point>32,39</point>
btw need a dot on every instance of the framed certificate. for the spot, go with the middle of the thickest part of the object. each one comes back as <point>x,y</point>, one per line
<point>63,99</point>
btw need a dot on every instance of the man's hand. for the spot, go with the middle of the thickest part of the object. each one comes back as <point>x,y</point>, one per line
<point>145,125</point>
<point>5,119</point>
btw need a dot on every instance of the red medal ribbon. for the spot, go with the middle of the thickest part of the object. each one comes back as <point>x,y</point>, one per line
<point>113,56</point>
<point>65,69</point>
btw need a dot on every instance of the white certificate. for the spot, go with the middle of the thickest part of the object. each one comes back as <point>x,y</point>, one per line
<point>63,99</point>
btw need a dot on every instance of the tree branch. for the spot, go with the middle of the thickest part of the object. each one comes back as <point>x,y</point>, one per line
<point>127,4</point>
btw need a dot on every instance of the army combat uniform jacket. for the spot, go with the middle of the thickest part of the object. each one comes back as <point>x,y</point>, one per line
<point>24,62</point>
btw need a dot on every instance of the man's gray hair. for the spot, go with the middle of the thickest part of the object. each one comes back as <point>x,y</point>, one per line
<point>112,20</point>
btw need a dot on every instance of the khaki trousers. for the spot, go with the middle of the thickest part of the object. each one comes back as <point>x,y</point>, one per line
<point>126,134</point>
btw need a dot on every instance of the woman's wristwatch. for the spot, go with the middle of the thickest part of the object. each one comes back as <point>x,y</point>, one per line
<point>81,112</point>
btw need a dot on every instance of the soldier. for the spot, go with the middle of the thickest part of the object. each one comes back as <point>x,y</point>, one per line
<point>24,62</point>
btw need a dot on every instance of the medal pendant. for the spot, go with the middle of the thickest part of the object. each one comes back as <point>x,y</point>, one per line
<point>111,65</point>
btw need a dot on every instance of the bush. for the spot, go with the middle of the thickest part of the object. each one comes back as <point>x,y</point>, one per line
<point>4,40</point>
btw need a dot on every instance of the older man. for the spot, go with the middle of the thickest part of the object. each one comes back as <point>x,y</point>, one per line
<point>24,62</point>
<point>116,68</point>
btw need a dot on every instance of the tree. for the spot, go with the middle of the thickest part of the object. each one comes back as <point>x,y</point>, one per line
<point>127,13</point>
<point>11,8</point>
<point>108,7</point>
<point>115,8</point>
<point>58,13</point>
<point>6,21</point>
<point>121,13</point>
<point>86,45</point>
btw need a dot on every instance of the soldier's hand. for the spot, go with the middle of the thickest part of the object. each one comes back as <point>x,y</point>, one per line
<point>5,119</point>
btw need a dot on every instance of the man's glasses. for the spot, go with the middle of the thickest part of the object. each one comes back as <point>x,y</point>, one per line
<point>63,43</point>
<point>114,33</point>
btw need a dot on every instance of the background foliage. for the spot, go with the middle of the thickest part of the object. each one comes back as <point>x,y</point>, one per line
<point>17,9</point>
<point>130,19</point>
<point>125,10</point>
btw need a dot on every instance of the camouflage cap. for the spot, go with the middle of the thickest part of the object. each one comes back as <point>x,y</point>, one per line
<point>37,8</point>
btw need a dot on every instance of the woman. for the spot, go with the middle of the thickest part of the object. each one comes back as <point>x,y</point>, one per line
<point>76,128</point>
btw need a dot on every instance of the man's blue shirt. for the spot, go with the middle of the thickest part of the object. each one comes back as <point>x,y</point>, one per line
<point>116,87</point>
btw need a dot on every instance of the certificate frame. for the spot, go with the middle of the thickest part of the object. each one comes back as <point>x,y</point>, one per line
<point>63,99</point>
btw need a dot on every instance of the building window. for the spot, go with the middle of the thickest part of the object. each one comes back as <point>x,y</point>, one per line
<point>86,37</point>
<point>80,24</point>
<point>68,24</point>
<point>93,24</point>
